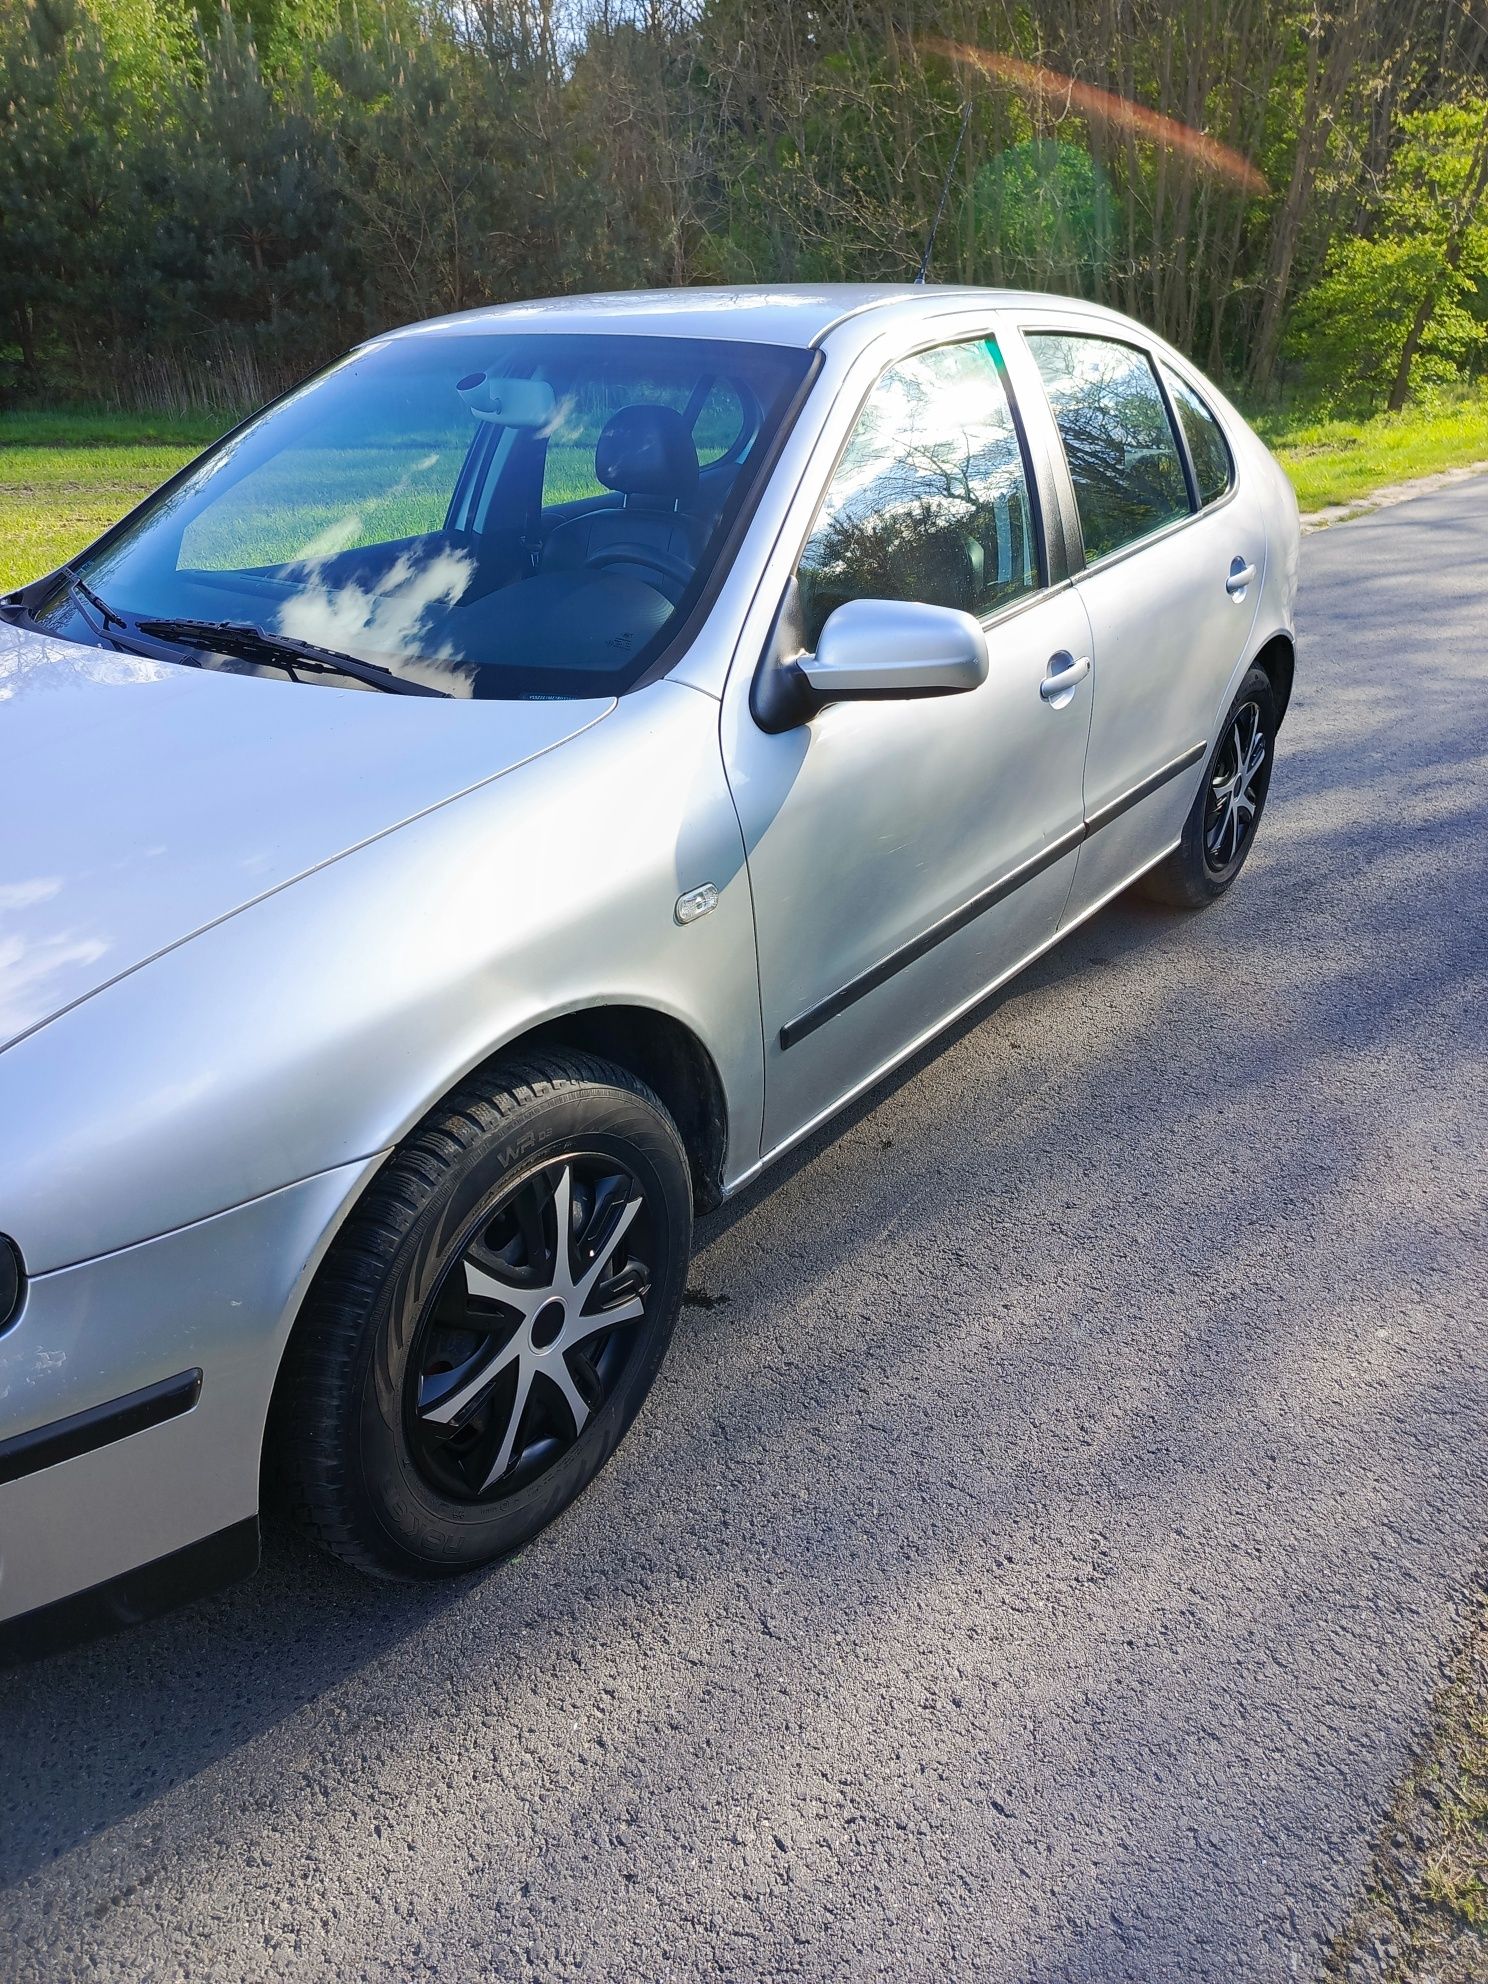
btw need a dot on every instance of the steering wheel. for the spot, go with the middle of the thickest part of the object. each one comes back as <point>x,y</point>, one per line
<point>677,570</point>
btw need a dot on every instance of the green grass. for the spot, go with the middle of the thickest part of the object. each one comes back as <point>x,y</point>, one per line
<point>82,427</point>
<point>1339,461</point>
<point>66,475</point>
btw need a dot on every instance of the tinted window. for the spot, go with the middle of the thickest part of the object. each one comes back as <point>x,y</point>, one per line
<point>930,501</point>
<point>1123,458</point>
<point>1206,444</point>
<point>389,511</point>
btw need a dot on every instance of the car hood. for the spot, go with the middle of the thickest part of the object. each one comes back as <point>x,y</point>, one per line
<point>141,801</point>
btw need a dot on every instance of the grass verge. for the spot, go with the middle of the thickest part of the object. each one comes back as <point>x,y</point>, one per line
<point>1339,461</point>
<point>1423,1918</point>
<point>66,476</point>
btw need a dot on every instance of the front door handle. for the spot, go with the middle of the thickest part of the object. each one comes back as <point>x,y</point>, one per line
<point>1240,577</point>
<point>1064,676</point>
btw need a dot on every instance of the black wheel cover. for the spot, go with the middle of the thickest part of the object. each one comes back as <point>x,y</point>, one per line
<point>530,1328</point>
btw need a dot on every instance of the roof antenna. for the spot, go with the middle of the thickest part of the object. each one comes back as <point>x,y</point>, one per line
<point>924,269</point>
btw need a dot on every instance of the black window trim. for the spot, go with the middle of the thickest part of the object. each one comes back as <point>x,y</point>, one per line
<point>1165,372</point>
<point>1071,326</point>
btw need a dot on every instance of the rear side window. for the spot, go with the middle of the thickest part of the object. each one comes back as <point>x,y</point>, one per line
<point>1207,446</point>
<point>929,501</point>
<point>1122,453</point>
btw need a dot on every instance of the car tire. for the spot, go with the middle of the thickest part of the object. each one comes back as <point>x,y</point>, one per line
<point>430,1347</point>
<point>1219,833</point>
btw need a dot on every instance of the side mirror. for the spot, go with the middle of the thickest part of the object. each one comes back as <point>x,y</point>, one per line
<point>875,650</point>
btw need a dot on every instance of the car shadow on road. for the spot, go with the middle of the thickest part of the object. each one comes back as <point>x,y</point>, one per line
<point>99,1733</point>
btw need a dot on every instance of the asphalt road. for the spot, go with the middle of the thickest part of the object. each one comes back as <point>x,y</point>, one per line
<point>1036,1563</point>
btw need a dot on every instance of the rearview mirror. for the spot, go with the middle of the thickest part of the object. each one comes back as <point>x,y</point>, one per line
<point>876,650</point>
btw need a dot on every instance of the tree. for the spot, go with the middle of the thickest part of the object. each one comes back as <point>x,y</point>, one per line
<point>1402,308</point>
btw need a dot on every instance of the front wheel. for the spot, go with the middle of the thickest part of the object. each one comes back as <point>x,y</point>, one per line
<point>488,1324</point>
<point>1222,822</point>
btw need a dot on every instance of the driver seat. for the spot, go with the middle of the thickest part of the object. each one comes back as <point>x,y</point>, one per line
<point>646,453</point>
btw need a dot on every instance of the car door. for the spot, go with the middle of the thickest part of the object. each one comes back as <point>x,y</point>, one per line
<point>903,855</point>
<point>1172,574</point>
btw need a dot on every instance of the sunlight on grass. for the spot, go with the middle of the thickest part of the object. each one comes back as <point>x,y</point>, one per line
<point>66,476</point>
<point>1426,1899</point>
<point>1338,461</point>
<point>54,500</point>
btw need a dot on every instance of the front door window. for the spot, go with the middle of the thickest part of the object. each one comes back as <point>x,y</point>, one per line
<point>930,499</point>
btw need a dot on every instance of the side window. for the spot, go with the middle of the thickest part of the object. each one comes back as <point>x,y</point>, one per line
<point>1122,453</point>
<point>719,422</point>
<point>1210,452</point>
<point>312,497</point>
<point>568,469</point>
<point>930,501</point>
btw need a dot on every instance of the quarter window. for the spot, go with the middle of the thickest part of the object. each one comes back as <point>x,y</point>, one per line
<point>930,500</point>
<point>1122,454</point>
<point>1207,447</point>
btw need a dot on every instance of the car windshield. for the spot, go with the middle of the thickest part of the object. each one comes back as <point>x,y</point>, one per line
<point>487,516</point>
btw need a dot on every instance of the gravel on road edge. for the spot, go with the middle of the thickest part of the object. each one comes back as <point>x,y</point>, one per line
<point>1423,1915</point>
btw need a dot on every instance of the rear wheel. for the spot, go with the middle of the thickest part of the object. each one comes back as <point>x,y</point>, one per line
<point>487,1326</point>
<point>1222,821</point>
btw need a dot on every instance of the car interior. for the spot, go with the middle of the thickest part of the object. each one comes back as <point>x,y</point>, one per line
<point>597,578</point>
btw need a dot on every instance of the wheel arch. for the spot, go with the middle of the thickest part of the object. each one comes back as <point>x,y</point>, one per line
<point>668,1056</point>
<point>663,1051</point>
<point>1277,658</point>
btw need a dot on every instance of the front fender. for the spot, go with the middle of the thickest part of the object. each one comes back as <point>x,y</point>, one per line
<point>312,1029</point>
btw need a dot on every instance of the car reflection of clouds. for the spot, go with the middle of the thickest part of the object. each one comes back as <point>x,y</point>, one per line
<point>21,895</point>
<point>565,423</point>
<point>390,622</point>
<point>25,962</point>
<point>23,672</point>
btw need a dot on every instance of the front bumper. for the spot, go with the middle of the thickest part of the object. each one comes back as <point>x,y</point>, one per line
<point>113,1453</point>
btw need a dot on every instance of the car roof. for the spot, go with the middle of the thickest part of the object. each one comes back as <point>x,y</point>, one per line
<point>780,314</point>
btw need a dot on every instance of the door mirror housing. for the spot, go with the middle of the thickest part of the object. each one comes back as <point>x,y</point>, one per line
<point>874,650</point>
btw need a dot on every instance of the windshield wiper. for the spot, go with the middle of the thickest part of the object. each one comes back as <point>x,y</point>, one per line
<point>100,606</point>
<point>249,643</point>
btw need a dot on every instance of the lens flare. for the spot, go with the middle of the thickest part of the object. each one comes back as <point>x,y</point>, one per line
<point>1099,106</point>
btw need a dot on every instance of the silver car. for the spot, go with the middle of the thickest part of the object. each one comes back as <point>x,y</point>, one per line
<point>830,653</point>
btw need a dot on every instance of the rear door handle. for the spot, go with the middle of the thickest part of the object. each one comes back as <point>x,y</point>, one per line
<point>1064,676</point>
<point>1240,577</point>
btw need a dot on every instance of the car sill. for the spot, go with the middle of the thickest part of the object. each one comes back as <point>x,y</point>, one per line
<point>201,1567</point>
<point>937,1027</point>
